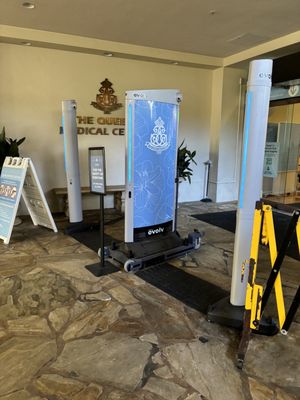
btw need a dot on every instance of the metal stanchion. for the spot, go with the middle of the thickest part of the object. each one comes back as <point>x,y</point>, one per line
<point>206,199</point>
<point>98,186</point>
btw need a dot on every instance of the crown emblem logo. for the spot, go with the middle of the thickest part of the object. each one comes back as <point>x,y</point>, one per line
<point>158,139</point>
<point>106,101</point>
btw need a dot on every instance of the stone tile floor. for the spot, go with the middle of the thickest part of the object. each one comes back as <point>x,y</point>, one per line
<point>65,334</point>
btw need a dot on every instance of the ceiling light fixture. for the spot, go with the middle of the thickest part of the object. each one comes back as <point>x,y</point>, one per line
<point>26,43</point>
<point>108,54</point>
<point>28,5</point>
<point>175,62</point>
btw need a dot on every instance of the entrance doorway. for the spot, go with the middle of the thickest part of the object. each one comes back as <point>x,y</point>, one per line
<point>281,183</point>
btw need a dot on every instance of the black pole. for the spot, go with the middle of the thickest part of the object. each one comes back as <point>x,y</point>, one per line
<point>206,199</point>
<point>103,267</point>
<point>207,182</point>
<point>101,226</point>
<point>98,186</point>
<point>292,312</point>
<point>176,202</point>
<point>97,269</point>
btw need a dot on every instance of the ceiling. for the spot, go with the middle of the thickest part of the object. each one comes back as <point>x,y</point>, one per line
<point>218,28</point>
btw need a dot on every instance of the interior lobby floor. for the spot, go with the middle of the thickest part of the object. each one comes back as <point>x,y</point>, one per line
<point>65,334</point>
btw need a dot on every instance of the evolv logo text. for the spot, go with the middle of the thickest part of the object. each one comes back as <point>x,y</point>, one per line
<point>265,75</point>
<point>155,231</point>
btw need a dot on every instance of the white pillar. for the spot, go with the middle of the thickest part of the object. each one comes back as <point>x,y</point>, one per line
<point>72,160</point>
<point>255,128</point>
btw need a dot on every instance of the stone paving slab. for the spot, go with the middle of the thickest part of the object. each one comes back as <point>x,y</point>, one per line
<point>111,358</point>
<point>21,358</point>
<point>207,362</point>
<point>285,350</point>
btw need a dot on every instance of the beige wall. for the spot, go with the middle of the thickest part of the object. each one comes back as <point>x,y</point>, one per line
<point>34,81</point>
<point>231,137</point>
<point>226,133</point>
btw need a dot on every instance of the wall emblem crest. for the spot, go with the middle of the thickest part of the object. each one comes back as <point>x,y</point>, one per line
<point>106,101</point>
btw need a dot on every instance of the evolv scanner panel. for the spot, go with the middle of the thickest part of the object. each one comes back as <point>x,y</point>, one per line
<point>151,159</point>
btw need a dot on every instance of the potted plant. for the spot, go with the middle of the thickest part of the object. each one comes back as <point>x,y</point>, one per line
<point>184,158</point>
<point>8,147</point>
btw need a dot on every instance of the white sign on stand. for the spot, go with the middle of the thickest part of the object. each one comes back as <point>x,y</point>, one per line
<point>18,177</point>
<point>271,159</point>
<point>97,170</point>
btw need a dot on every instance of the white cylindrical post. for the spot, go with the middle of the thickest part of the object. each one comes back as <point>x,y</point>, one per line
<point>255,128</point>
<point>72,160</point>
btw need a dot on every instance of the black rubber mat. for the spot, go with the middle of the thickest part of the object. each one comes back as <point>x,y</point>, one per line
<point>192,291</point>
<point>91,239</point>
<point>189,289</point>
<point>227,221</point>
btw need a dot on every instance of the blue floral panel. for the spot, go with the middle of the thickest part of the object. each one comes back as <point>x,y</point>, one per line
<point>154,163</point>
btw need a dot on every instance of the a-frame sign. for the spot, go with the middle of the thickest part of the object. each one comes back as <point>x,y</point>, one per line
<point>19,177</point>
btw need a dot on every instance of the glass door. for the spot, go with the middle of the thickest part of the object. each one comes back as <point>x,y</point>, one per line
<point>281,171</point>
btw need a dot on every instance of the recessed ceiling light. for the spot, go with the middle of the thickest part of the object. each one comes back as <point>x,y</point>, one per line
<point>108,54</point>
<point>28,5</point>
<point>26,43</point>
<point>175,62</point>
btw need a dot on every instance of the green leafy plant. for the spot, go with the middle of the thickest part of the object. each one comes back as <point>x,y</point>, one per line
<point>184,158</point>
<point>8,147</point>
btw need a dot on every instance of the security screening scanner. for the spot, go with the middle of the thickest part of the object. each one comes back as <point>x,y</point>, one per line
<point>69,131</point>
<point>151,179</point>
<point>255,130</point>
<point>72,160</point>
<point>230,312</point>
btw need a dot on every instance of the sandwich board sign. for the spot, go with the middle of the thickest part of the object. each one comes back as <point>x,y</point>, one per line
<point>19,177</point>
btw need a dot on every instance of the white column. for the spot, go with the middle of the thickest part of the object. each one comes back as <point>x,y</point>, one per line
<point>255,128</point>
<point>72,160</point>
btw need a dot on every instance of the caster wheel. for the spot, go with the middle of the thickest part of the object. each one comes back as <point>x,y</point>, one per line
<point>197,244</point>
<point>128,265</point>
